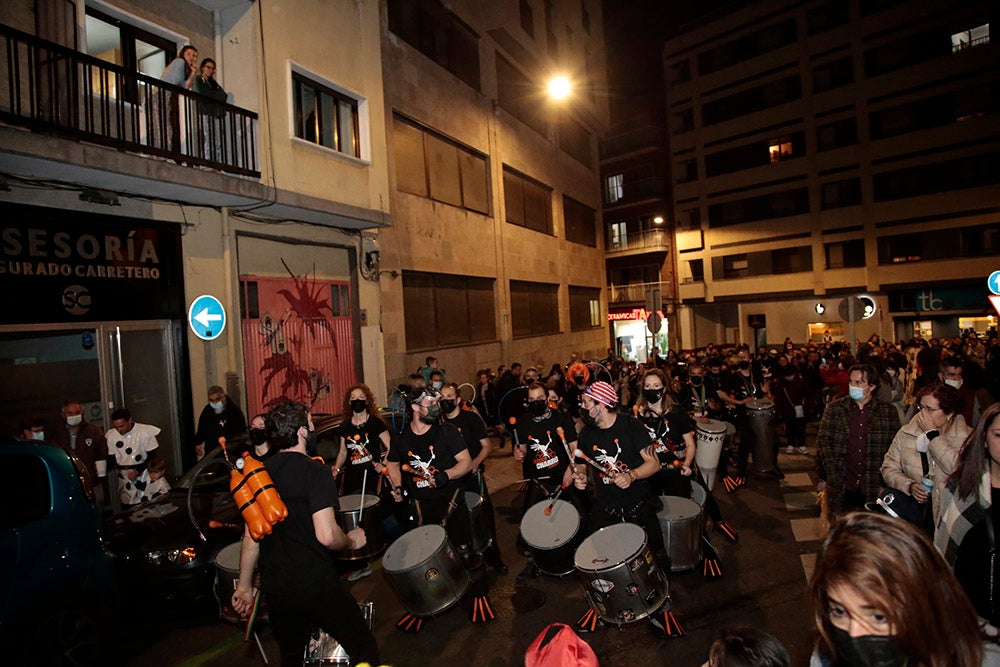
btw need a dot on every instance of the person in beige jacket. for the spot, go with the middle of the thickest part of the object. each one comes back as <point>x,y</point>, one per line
<point>938,429</point>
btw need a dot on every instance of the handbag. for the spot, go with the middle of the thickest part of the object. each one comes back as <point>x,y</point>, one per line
<point>559,646</point>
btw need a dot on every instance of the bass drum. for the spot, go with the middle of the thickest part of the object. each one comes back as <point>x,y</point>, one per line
<point>323,649</point>
<point>553,539</point>
<point>620,575</point>
<point>683,523</point>
<point>227,576</point>
<point>425,571</point>
<point>371,521</point>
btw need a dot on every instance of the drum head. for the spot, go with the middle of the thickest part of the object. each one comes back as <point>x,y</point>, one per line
<point>554,530</point>
<point>609,547</point>
<point>713,426</point>
<point>228,557</point>
<point>353,502</point>
<point>760,404</point>
<point>472,500</point>
<point>413,548</point>
<point>677,508</point>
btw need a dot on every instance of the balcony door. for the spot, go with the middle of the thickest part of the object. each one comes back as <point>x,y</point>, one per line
<point>121,43</point>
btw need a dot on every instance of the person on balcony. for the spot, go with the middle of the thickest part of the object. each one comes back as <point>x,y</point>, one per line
<point>166,127</point>
<point>204,83</point>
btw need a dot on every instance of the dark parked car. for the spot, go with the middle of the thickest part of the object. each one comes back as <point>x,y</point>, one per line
<point>56,587</point>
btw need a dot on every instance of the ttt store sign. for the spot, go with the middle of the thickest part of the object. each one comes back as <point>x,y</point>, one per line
<point>66,266</point>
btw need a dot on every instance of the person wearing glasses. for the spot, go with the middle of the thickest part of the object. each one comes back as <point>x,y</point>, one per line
<point>926,448</point>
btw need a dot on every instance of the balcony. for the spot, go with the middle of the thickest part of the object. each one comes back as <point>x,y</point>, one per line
<point>650,240</point>
<point>50,89</point>
<point>634,191</point>
<point>635,293</point>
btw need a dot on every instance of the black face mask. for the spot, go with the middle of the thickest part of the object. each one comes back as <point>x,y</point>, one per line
<point>433,414</point>
<point>538,407</point>
<point>578,379</point>
<point>587,418</point>
<point>359,405</point>
<point>867,651</point>
<point>652,395</point>
<point>744,365</point>
<point>447,406</point>
<point>696,380</point>
<point>258,436</point>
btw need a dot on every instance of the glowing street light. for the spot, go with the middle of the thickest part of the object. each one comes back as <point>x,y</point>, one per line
<point>658,220</point>
<point>559,88</point>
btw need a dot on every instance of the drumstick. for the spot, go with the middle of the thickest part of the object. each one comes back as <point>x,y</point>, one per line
<point>528,479</point>
<point>562,436</point>
<point>513,431</point>
<point>548,510</point>
<point>364,483</point>
<point>408,468</point>
<point>589,461</point>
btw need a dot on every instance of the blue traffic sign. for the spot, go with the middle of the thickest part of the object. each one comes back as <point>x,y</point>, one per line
<point>207,317</point>
<point>993,282</point>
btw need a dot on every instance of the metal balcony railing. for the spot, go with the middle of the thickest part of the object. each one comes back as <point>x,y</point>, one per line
<point>650,239</point>
<point>51,89</point>
<point>636,292</point>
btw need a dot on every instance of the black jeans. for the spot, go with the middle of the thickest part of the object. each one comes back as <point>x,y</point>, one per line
<point>295,614</point>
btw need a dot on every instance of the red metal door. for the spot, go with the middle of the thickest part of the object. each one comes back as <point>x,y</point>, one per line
<point>297,341</point>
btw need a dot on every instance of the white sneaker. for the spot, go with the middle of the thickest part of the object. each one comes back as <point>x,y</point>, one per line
<point>789,449</point>
<point>360,574</point>
<point>803,450</point>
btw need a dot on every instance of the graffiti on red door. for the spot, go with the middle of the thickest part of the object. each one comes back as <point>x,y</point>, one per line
<point>297,340</point>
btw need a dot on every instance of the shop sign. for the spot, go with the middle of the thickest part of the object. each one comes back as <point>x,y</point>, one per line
<point>933,299</point>
<point>630,315</point>
<point>67,266</point>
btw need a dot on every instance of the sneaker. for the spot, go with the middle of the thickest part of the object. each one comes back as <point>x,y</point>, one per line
<point>803,450</point>
<point>789,449</point>
<point>360,574</point>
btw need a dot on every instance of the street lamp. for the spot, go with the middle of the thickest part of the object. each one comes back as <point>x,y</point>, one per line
<point>559,87</point>
<point>658,220</point>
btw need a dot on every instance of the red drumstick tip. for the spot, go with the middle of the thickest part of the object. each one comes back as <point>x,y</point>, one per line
<point>548,510</point>
<point>512,421</point>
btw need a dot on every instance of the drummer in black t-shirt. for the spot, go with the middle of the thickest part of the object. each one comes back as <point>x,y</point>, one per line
<point>540,449</point>
<point>296,572</point>
<point>477,441</point>
<point>429,459</point>
<point>672,432</point>
<point>739,388</point>
<point>620,444</point>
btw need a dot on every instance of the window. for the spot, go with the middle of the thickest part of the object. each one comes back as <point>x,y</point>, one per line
<point>687,171</point>
<point>763,263</point>
<point>249,300</point>
<point>550,33</point>
<point>749,46</point>
<point>519,97</point>
<point>340,299</point>
<point>779,149</point>
<point>527,18</point>
<point>761,207</point>
<point>580,223</point>
<point>617,236</point>
<point>434,31</point>
<point>697,268</point>
<point>837,134</point>
<point>443,309</point>
<point>845,254</point>
<point>584,308</point>
<point>325,117</point>
<point>690,218</point>
<point>966,172</point>
<point>828,16</point>
<point>613,188</point>
<point>430,165</point>
<point>758,98</point>
<point>574,140</point>
<point>977,36</point>
<point>120,43</point>
<point>952,107</point>
<point>682,121</point>
<point>833,75</point>
<point>839,194</point>
<point>585,17</point>
<point>679,72</point>
<point>528,203</point>
<point>534,308</point>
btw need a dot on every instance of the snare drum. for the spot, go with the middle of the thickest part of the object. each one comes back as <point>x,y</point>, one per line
<point>481,538</point>
<point>371,522</point>
<point>760,414</point>
<point>710,437</point>
<point>620,575</point>
<point>425,571</point>
<point>683,524</point>
<point>322,649</point>
<point>553,539</point>
<point>227,577</point>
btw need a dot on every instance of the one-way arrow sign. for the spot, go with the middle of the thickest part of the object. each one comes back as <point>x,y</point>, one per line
<point>207,317</point>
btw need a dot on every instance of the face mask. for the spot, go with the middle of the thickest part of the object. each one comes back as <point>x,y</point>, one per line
<point>652,395</point>
<point>311,443</point>
<point>587,418</point>
<point>74,420</point>
<point>578,379</point>
<point>856,393</point>
<point>437,384</point>
<point>556,377</point>
<point>789,378</point>
<point>891,372</point>
<point>447,406</point>
<point>359,405</point>
<point>258,436</point>
<point>218,407</point>
<point>39,435</point>
<point>744,365</point>
<point>957,384</point>
<point>433,414</point>
<point>867,651</point>
<point>696,380</point>
<point>538,407</point>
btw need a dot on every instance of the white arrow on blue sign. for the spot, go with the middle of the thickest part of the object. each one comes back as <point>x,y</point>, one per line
<point>207,317</point>
<point>993,282</point>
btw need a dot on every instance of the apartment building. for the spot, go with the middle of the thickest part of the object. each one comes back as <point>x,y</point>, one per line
<point>831,148</point>
<point>124,198</point>
<point>494,254</point>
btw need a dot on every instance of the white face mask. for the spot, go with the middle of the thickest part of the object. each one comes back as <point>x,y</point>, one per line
<point>74,420</point>
<point>857,393</point>
<point>891,372</point>
<point>38,435</point>
<point>957,384</point>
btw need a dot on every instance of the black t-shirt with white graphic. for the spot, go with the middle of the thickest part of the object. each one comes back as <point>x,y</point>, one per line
<point>545,455</point>
<point>667,432</point>
<point>364,446</point>
<point>617,448</point>
<point>425,455</point>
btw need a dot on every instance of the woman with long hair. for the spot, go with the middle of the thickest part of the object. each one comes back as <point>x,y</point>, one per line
<point>966,532</point>
<point>882,595</point>
<point>672,432</point>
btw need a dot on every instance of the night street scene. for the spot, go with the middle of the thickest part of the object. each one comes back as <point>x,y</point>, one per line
<point>555,333</point>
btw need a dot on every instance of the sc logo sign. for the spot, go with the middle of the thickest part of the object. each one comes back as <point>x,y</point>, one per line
<point>76,299</point>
